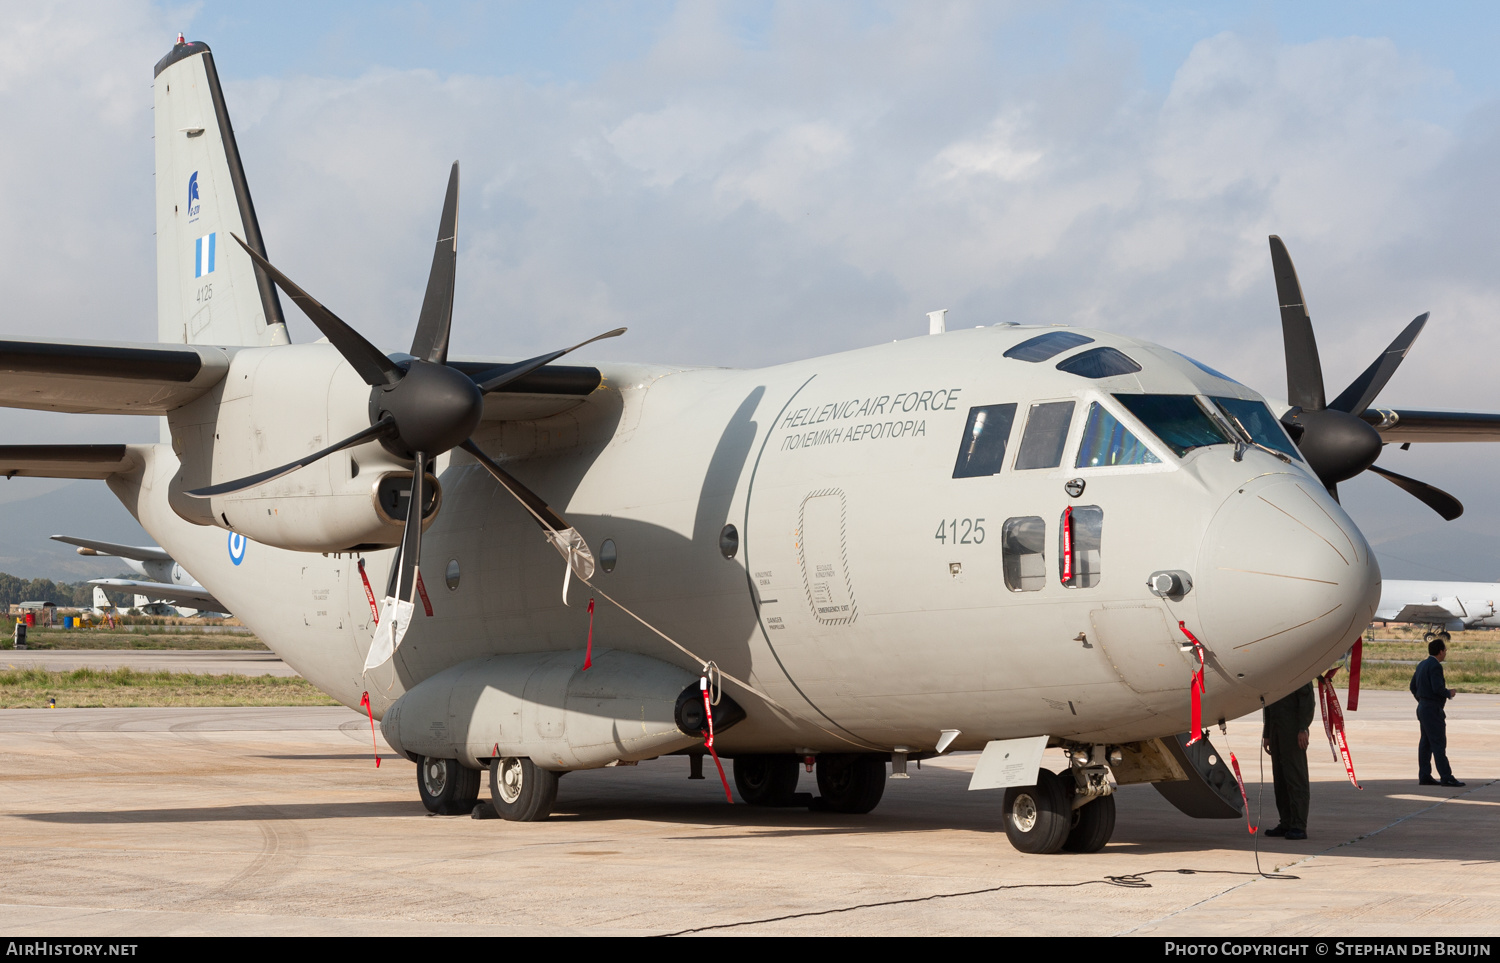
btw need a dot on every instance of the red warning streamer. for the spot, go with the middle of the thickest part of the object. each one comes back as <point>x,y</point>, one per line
<point>1243,798</point>
<point>1199,687</point>
<point>1067,546</point>
<point>369,595</point>
<point>422,591</point>
<point>1333,724</point>
<point>364,702</point>
<point>1355,658</point>
<point>588,653</point>
<point>708,713</point>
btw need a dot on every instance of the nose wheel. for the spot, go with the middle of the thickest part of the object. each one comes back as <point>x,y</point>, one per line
<point>1038,818</point>
<point>447,788</point>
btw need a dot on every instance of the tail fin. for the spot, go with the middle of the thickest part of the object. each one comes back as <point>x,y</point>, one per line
<point>207,290</point>
<point>102,604</point>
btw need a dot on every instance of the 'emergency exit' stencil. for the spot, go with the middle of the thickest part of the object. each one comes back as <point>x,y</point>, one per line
<point>825,565</point>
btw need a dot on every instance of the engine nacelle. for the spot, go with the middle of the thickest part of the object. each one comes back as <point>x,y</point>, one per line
<point>542,705</point>
<point>262,416</point>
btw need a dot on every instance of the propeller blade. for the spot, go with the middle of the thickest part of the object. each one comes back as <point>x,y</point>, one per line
<point>564,537</point>
<point>250,481</point>
<point>1434,498</point>
<point>436,320</point>
<point>1304,372</point>
<point>500,376</point>
<point>524,495</point>
<point>411,538</point>
<point>1362,390</point>
<point>366,359</point>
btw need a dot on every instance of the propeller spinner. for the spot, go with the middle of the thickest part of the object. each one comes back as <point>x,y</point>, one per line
<point>419,406</point>
<point>1336,442</point>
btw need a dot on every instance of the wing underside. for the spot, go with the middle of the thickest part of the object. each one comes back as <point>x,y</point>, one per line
<point>198,596</point>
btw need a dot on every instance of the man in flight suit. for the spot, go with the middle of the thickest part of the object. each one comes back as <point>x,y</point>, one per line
<point>1285,738</point>
<point>1431,690</point>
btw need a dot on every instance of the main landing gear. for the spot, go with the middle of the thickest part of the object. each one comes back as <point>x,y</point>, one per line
<point>1437,634</point>
<point>847,783</point>
<point>521,790</point>
<point>447,788</point>
<point>1071,812</point>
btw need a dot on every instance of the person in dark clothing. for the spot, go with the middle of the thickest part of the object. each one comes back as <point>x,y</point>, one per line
<point>1285,738</point>
<point>1431,690</point>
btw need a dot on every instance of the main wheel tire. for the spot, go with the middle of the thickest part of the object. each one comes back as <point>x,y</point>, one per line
<point>447,788</point>
<point>766,780</point>
<point>1037,818</point>
<point>851,783</point>
<point>521,790</point>
<point>1445,637</point>
<point>1093,824</point>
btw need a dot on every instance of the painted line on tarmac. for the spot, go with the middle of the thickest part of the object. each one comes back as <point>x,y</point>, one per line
<point>1309,858</point>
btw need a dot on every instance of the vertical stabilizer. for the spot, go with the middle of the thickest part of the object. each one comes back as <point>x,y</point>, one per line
<point>208,291</point>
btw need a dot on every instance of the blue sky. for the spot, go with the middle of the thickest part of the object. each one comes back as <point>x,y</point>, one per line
<point>758,182</point>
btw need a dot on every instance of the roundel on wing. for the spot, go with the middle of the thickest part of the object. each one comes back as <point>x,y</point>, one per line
<point>236,547</point>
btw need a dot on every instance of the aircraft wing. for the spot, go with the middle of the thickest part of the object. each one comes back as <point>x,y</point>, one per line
<point>141,553</point>
<point>196,594</point>
<point>549,390</point>
<point>1423,612</point>
<point>65,461</point>
<point>1403,425</point>
<point>106,378</point>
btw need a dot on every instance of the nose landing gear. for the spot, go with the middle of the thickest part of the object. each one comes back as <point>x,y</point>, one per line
<point>1072,811</point>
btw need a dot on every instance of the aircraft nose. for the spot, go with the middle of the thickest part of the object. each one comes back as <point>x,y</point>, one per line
<point>1285,582</point>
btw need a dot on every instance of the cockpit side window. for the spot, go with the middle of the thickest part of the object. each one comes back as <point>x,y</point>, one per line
<point>982,451</point>
<point>1046,434</point>
<point>1079,538</point>
<point>1178,420</point>
<point>1022,541</point>
<point>1256,419</point>
<point>1048,345</point>
<point>1099,363</point>
<point>1106,442</point>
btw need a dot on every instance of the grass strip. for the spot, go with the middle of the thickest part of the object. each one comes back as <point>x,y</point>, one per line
<point>31,688</point>
<point>49,639</point>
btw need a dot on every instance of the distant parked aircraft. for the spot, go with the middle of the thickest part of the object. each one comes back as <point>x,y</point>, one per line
<point>1443,607</point>
<point>170,587</point>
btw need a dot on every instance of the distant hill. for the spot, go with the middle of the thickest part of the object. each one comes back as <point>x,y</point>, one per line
<point>85,508</point>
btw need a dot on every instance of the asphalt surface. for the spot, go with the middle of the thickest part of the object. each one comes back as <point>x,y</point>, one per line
<point>199,661</point>
<point>118,822</point>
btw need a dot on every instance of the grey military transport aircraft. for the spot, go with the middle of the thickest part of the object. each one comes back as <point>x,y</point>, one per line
<point>1003,539</point>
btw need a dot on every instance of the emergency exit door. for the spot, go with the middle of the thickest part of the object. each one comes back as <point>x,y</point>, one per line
<point>823,552</point>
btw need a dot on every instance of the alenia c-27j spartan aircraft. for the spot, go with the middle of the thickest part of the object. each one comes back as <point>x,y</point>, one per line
<point>1001,539</point>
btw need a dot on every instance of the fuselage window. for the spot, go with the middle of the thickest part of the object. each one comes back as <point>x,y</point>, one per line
<point>1098,363</point>
<point>1178,420</point>
<point>982,450</point>
<point>1106,442</point>
<point>1078,546</point>
<point>1048,345</point>
<point>1046,434</point>
<point>1022,541</point>
<point>1256,419</point>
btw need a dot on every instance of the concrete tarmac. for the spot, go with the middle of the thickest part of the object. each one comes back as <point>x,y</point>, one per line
<point>199,661</point>
<point>120,822</point>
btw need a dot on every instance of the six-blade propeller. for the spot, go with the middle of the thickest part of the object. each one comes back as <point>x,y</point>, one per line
<point>1336,442</point>
<point>419,406</point>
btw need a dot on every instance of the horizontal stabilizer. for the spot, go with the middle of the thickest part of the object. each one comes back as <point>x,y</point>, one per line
<point>65,461</point>
<point>106,378</point>
<point>141,553</point>
<point>157,591</point>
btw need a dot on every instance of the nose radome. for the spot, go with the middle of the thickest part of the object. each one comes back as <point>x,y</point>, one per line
<point>1285,582</point>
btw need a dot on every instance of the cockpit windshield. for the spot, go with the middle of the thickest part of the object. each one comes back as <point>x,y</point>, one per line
<point>1178,420</point>
<point>1256,419</point>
